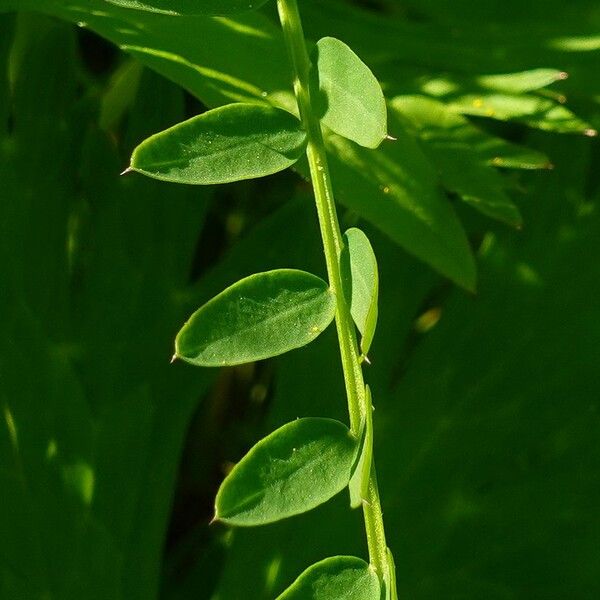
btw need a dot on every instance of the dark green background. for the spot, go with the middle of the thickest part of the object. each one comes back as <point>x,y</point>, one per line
<point>486,425</point>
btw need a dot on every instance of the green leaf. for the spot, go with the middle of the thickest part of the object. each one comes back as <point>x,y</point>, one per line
<point>478,185</point>
<point>521,82</point>
<point>335,578</point>
<point>436,123</point>
<point>230,143</point>
<point>389,579</point>
<point>361,283</point>
<point>532,110</point>
<point>359,483</point>
<point>349,95</point>
<point>460,153</point>
<point>291,471</point>
<point>191,7</point>
<point>260,316</point>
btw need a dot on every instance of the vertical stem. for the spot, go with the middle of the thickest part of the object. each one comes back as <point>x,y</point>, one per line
<point>358,404</point>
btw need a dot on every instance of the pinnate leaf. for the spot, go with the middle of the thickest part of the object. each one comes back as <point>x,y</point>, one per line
<point>334,578</point>
<point>361,283</point>
<point>260,316</point>
<point>191,7</point>
<point>291,471</point>
<point>348,94</point>
<point>230,143</point>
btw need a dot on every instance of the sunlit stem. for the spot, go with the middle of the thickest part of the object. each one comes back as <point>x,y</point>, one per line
<point>358,404</point>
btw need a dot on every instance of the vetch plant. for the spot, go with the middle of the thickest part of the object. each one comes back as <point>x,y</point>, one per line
<point>308,461</point>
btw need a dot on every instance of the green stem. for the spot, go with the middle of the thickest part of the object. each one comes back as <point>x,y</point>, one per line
<point>332,243</point>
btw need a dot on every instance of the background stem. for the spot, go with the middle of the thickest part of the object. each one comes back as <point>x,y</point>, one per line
<point>358,403</point>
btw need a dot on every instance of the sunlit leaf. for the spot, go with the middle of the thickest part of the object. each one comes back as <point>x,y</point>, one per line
<point>438,124</point>
<point>230,143</point>
<point>191,7</point>
<point>260,316</point>
<point>361,283</point>
<point>521,82</point>
<point>335,578</point>
<point>291,471</point>
<point>349,95</point>
<point>534,111</point>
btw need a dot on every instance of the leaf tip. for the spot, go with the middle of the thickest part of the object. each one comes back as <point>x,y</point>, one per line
<point>129,169</point>
<point>390,138</point>
<point>173,359</point>
<point>590,132</point>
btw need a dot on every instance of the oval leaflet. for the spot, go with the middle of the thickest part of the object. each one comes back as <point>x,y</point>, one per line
<point>260,316</point>
<point>291,471</point>
<point>230,143</point>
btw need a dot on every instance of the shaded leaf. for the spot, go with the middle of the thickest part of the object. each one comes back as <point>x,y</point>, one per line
<point>359,483</point>
<point>478,185</point>
<point>396,189</point>
<point>230,143</point>
<point>334,578</point>
<point>291,471</point>
<point>191,7</point>
<point>260,316</point>
<point>361,283</point>
<point>349,95</point>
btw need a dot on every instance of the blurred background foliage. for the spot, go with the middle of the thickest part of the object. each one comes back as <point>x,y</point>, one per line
<point>487,401</point>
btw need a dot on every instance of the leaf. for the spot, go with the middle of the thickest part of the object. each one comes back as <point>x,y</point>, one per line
<point>460,153</point>
<point>335,578</point>
<point>478,185</point>
<point>359,483</point>
<point>191,7</point>
<point>521,82</point>
<point>436,123</point>
<point>260,316</point>
<point>230,143</point>
<point>361,283</point>
<point>391,591</point>
<point>291,471</point>
<point>349,95</point>
<point>534,111</point>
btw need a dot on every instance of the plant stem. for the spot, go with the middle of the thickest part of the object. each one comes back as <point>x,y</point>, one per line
<point>358,404</point>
